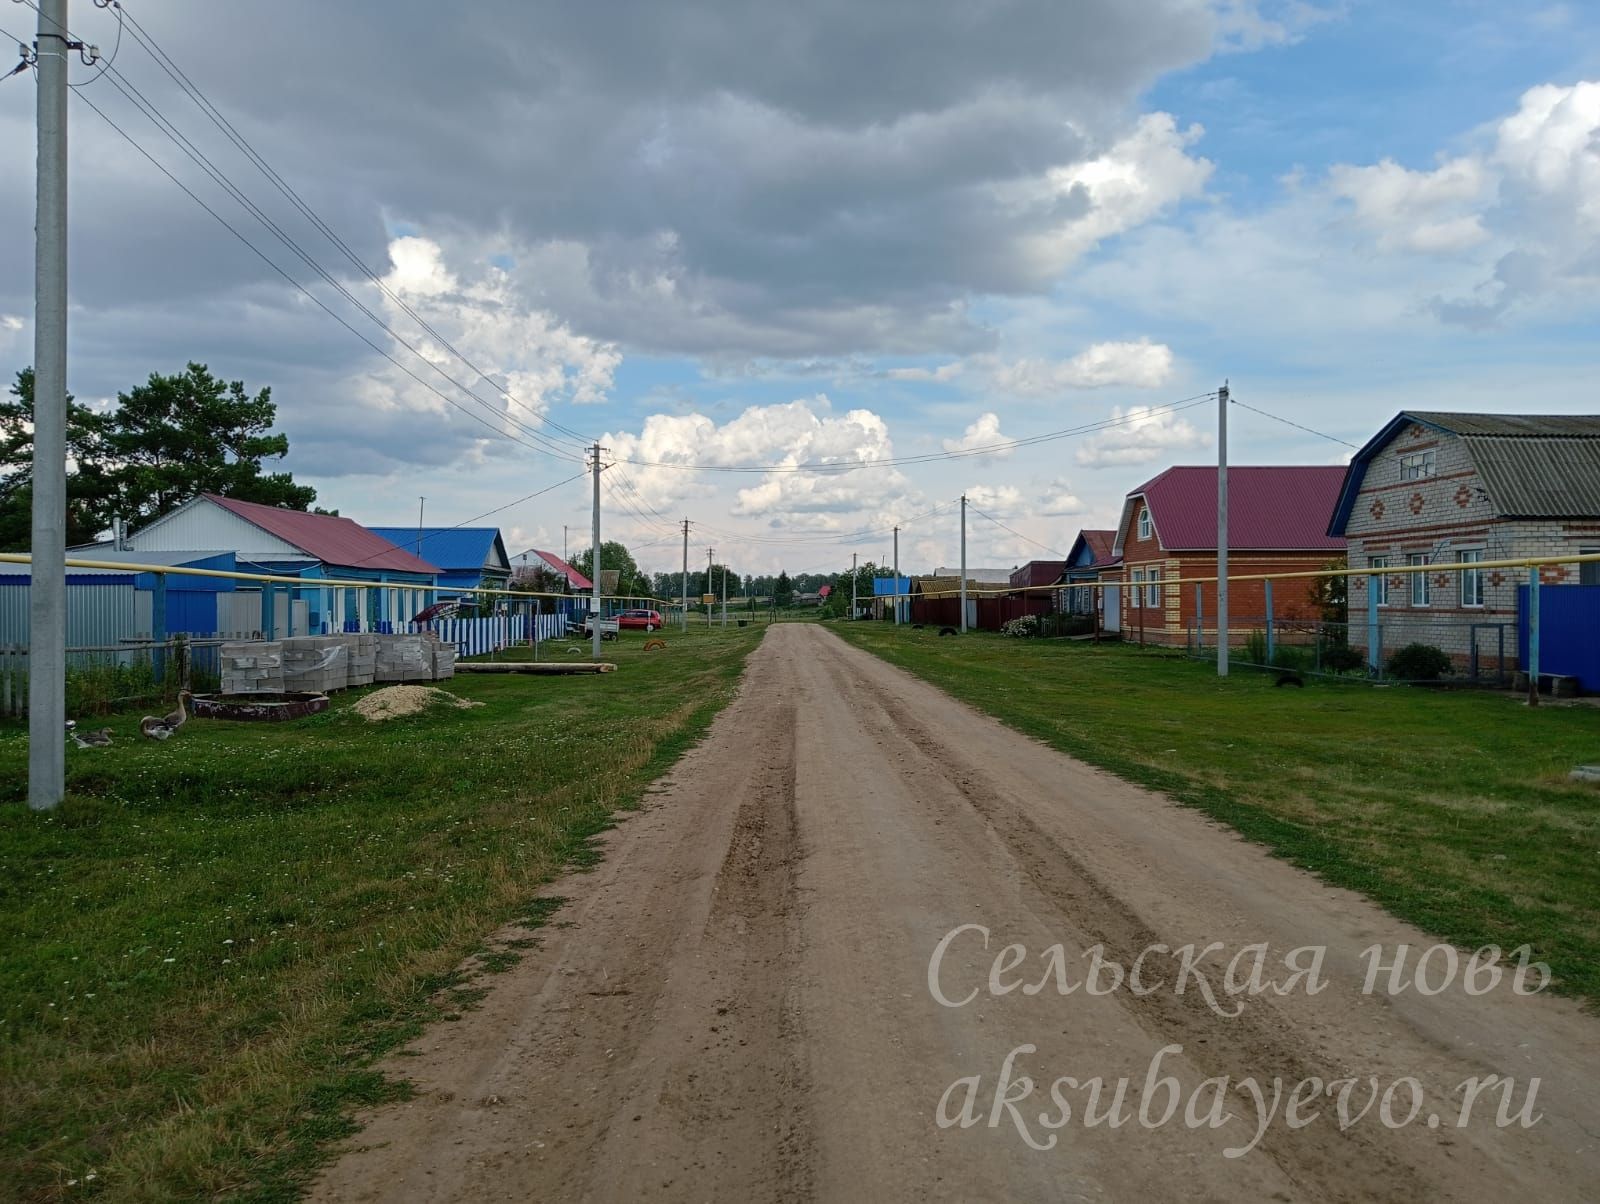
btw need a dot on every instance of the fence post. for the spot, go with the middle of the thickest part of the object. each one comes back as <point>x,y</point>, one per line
<point>1374,653</point>
<point>158,627</point>
<point>1271,646</point>
<point>1533,636</point>
<point>1199,619</point>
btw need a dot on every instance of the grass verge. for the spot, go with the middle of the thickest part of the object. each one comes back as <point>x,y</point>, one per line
<point>208,945</point>
<point>1451,809</point>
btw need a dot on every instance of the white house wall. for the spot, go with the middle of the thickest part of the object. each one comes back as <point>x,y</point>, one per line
<point>207,525</point>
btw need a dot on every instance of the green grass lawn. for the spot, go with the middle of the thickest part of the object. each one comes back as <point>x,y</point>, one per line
<point>1450,808</point>
<point>208,945</point>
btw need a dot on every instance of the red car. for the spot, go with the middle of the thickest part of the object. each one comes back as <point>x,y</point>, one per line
<point>645,620</point>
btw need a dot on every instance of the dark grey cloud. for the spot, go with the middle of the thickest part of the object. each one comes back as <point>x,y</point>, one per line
<point>766,180</point>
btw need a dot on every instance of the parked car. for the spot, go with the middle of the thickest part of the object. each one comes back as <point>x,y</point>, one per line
<point>640,620</point>
<point>608,628</point>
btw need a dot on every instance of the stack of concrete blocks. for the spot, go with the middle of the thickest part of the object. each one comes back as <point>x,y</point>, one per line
<point>403,658</point>
<point>443,658</point>
<point>361,655</point>
<point>315,664</point>
<point>252,668</point>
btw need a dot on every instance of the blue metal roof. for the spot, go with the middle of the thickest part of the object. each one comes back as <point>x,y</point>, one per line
<point>454,549</point>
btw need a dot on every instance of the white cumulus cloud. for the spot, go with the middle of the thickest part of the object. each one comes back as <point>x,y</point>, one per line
<point>1143,434</point>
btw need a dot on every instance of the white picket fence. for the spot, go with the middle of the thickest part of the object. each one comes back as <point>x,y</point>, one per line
<point>477,637</point>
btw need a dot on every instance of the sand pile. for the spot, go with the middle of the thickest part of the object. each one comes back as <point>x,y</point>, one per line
<point>391,702</point>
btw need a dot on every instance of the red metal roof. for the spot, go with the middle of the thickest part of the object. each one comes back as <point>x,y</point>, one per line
<point>1037,572</point>
<point>1270,507</point>
<point>1100,544</point>
<point>337,541</point>
<point>574,578</point>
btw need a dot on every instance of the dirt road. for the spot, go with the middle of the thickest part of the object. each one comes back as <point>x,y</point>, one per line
<point>743,1002</point>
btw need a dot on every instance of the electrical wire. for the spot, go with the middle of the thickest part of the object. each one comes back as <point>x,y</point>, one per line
<point>307,293</point>
<point>1014,531</point>
<point>185,84</point>
<point>131,93</point>
<point>1296,425</point>
<point>105,64</point>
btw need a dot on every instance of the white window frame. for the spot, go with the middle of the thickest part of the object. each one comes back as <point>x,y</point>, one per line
<point>1146,523</point>
<point>1417,465</point>
<point>1379,580</point>
<point>1136,593</point>
<point>1152,590</point>
<point>1471,599</point>
<point>1418,593</point>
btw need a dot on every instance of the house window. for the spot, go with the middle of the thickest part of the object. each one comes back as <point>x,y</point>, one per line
<point>1589,570</point>
<point>1144,523</point>
<point>1152,591</point>
<point>1136,594</point>
<point>1416,466</point>
<point>1419,581</point>
<point>1471,579</point>
<point>1380,583</point>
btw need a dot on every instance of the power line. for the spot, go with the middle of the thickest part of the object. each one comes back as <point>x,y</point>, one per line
<point>1014,531</point>
<point>146,107</point>
<point>309,295</point>
<point>178,76</point>
<point>1296,425</point>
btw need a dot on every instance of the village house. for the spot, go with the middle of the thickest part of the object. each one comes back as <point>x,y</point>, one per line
<point>1277,523</point>
<point>1442,489</point>
<point>468,557</point>
<point>1089,555</point>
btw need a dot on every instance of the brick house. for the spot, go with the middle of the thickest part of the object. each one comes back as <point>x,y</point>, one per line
<point>1277,523</point>
<point>1437,488</point>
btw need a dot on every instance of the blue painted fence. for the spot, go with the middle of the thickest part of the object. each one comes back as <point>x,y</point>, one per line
<point>1569,632</point>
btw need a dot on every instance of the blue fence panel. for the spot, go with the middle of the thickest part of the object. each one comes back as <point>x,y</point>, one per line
<point>1569,632</point>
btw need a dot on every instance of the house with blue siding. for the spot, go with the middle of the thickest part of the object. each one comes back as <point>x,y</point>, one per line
<point>310,547</point>
<point>190,605</point>
<point>468,557</point>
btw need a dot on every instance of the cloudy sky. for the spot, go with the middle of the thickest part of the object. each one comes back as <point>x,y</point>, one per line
<point>750,234</point>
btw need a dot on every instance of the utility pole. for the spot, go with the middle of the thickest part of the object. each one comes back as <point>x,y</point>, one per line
<point>709,552</point>
<point>686,575</point>
<point>855,606</point>
<point>963,562</point>
<point>724,595</point>
<point>422,503</point>
<point>47,631</point>
<point>564,555</point>
<point>1222,530</point>
<point>594,563</point>
<point>897,576</point>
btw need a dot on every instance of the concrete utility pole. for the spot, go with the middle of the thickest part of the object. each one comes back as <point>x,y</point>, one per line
<point>685,574</point>
<point>724,595</point>
<point>594,564</point>
<point>963,562</point>
<point>1222,530</point>
<point>855,603</point>
<point>47,619</point>
<point>709,552</point>
<point>897,576</point>
<point>422,503</point>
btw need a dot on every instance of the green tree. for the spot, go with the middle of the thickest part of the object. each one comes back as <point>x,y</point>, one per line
<point>175,436</point>
<point>89,489</point>
<point>614,555</point>
<point>783,591</point>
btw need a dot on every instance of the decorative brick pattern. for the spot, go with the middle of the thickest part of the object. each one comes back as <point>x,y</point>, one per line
<point>1415,503</point>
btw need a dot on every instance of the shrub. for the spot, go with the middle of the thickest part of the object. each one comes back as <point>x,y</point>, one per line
<point>1255,648</point>
<point>1419,662</point>
<point>1341,658</point>
<point>1027,625</point>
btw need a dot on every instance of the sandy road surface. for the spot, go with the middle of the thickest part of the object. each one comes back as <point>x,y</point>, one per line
<point>736,1004</point>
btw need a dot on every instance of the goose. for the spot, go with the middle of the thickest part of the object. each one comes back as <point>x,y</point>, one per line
<point>161,729</point>
<point>95,739</point>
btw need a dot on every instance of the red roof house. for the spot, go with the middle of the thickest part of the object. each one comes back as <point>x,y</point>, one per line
<point>1278,518</point>
<point>549,560</point>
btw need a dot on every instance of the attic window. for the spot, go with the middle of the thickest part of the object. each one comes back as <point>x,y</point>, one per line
<point>1144,523</point>
<point>1416,466</point>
